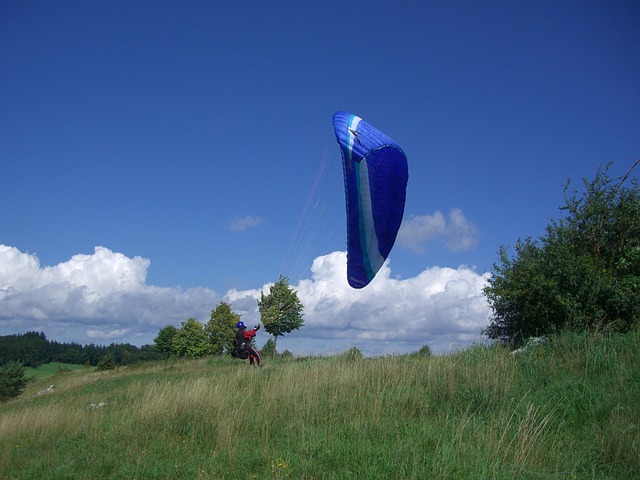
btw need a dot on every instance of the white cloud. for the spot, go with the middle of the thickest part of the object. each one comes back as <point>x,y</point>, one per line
<point>104,298</point>
<point>457,233</point>
<point>243,223</point>
<point>441,307</point>
<point>107,334</point>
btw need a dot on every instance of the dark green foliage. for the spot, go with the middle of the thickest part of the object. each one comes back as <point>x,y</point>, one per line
<point>107,363</point>
<point>164,340</point>
<point>12,380</point>
<point>33,349</point>
<point>425,351</point>
<point>584,273</point>
<point>221,328</point>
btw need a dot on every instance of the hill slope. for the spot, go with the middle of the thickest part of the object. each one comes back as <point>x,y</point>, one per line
<point>567,410</point>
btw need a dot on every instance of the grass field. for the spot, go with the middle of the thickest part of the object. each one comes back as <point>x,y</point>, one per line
<point>568,410</point>
<point>52,368</point>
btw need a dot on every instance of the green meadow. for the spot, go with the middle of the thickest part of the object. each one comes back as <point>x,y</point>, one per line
<point>52,368</point>
<point>566,410</point>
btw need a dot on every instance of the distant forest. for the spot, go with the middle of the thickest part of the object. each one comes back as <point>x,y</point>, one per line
<point>33,349</point>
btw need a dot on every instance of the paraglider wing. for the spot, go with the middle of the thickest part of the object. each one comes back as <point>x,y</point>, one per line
<point>375,182</point>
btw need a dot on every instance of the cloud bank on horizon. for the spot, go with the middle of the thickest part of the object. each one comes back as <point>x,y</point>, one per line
<point>104,298</point>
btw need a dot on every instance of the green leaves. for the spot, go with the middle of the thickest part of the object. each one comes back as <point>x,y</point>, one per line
<point>191,340</point>
<point>280,310</point>
<point>221,328</point>
<point>195,340</point>
<point>13,380</point>
<point>164,340</point>
<point>583,274</point>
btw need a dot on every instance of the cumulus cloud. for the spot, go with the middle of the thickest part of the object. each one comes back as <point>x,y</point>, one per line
<point>457,233</point>
<point>441,307</point>
<point>103,297</point>
<point>91,298</point>
<point>243,223</point>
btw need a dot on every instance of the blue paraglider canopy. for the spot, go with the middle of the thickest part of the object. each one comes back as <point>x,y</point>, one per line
<point>375,181</point>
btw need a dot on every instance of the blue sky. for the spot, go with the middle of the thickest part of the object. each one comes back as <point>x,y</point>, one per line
<point>158,158</point>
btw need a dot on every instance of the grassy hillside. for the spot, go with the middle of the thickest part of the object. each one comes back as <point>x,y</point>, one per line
<point>569,410</point>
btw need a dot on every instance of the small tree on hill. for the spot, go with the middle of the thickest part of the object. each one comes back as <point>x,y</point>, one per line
<point>191,340</point>
<point>108,362</point>
<point>352,355</point>
<point>425,351</point>
<point>280,310</point>
<point>583,274</point>
<point>221,328</point>
<point>13,380</point>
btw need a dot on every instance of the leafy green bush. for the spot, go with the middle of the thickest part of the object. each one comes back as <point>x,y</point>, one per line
<point>13,380</point>
<point>584,274</point>
<point>191,340</point>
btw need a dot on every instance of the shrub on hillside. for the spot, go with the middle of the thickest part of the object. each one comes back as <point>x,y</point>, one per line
<point>583,274</point>
<point>425,351</point>
<point>352,355</point>
<point>13,380</point>
<point>107,363</point>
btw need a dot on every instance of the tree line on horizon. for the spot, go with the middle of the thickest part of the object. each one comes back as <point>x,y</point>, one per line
<point>32,349</point>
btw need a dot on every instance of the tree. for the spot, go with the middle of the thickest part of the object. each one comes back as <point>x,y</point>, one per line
<point>425,351</point>
<point>352,355</point>
<point>29,349</point>
<point>164,340</point>
<point>13,380</point>
<point>108,362</point>
<point>584,273</point>
<point>191,340</point>
<point>221,328</point>
<point>280,310</point>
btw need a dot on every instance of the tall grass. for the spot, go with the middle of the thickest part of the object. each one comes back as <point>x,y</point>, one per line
<point>567,410</point>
